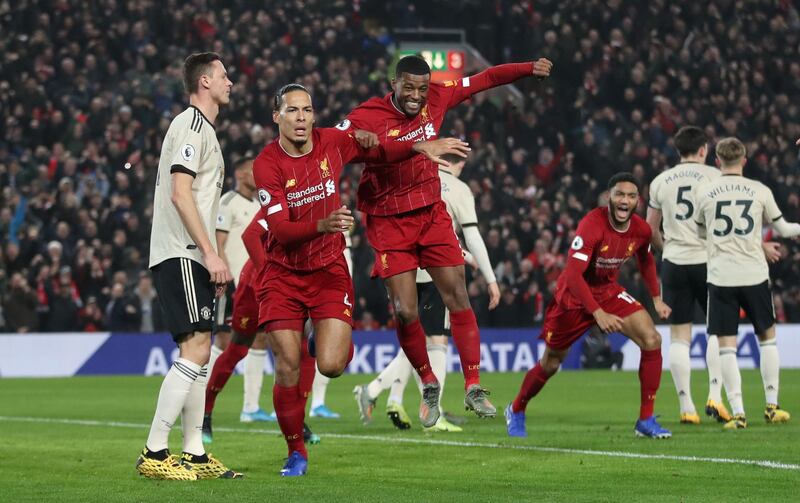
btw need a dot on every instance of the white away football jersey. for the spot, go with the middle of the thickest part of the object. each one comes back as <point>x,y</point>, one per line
<point>672,192</point>
<point>235,213</point>
<point>190,146</point>
<point>733,209</point>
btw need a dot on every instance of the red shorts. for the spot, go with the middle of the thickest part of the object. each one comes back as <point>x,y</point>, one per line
<point>563,326</point>
<point>290,297</point>
<point>245,306</point>
<point>420,238</point>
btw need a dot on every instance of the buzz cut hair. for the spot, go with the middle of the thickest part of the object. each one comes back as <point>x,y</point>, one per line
<point>623,176</point>
<point>195,66</point>
<point>242,163</point>
<point>730,150</point>
<point>277,103</point>
<point>414,65</point>
<point>689,139</point>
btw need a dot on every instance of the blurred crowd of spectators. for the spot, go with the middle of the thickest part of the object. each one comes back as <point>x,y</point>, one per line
<point>87,90</point>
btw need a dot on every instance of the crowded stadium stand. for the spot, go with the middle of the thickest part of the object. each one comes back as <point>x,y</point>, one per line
<point>87,90</point>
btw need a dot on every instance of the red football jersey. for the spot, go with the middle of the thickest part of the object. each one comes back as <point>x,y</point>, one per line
<point>393,188</point>
<point>306,189</point>
<point>595,257</point>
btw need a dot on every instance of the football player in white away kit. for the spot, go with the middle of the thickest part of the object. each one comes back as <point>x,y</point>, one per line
<point>683,268</point>
<point>730,214</point>
<point>187,271</point>
<point>460,202</point>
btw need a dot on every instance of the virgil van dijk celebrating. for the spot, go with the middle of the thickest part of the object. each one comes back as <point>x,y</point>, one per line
<point>297,177</point>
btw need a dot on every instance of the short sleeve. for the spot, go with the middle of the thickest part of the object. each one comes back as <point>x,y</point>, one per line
<point>771,210</point>
<point>189,150</point>
<point>224,218</point>
<point>655,187</point>
<point>463,205</point>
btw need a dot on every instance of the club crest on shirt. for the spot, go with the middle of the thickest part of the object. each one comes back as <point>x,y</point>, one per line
<point>630,249</point>
<point>423,114</point>
<point>393,133</point>
<point>604,249</point>
<point>290,183</point>
<point>450,83</point>
<point>324,169</point>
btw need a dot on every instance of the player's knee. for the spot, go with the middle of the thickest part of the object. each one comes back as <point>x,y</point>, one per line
<point>330,367</point>
<point>406,315</point>
<point>652,340</point>
<point>550,366</point>
<point>286,375</point>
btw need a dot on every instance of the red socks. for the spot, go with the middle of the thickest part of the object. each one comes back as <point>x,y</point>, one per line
<point>223,368</point>
<point>412,340</point>
<point>534,381</point>
<point>308,369</point>
<point>467,339</point>
<point>649,380</point>
<point>290,411</point>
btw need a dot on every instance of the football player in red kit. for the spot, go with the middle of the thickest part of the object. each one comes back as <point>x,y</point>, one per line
<point>297,177</point>
<point>588,294</point>
<point>408,225</point>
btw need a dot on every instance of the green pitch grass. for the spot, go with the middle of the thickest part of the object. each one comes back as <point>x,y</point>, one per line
<point>81,455</point>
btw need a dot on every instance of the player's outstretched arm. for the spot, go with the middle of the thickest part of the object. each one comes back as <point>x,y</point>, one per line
<point>496,76</point>
<point>190,216</point>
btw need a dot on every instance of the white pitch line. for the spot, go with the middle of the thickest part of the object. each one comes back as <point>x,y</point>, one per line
<point>450,443</point>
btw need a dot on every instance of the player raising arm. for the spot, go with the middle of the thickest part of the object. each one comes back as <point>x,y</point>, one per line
<point>731,211</point>
<point>588,294</point>
<point>408,225</point>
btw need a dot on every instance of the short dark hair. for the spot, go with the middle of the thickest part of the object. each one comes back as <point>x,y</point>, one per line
<point>689,139</point>
<point>196,66</point>
<point>453,158</point>
<point>623,176</point>
<point>241,162</point>
<point>414,65</point>
<point>278,101</point>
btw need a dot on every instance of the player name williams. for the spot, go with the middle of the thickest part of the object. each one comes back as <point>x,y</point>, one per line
<point>731,187</point>
<point>310,194</point>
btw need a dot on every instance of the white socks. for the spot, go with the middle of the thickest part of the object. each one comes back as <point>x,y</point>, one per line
<point>770,370</point>
<point>680,368</point>
<point>253,379</point>
<point>398,369</point>
<point>732,378</point>
<point>171,399</point>
<point>318,389</point>
<point>714,369</point>
<point>192,414</point>
<point>215,352</point>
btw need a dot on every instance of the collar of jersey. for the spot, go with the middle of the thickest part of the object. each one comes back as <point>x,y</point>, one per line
<point>290,155</point>
<point>203,116</point>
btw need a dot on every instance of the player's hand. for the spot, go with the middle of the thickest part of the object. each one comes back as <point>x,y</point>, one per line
<point>772,251</point>
<point>219,272</point>
<point>494,295</point>
<point>607,322</point>
<point>797,142</point>
<point>434,149</point>
<point>542,67</point>
<point>662,309</point>
<point>366,139</point>
<point>340,220</point>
